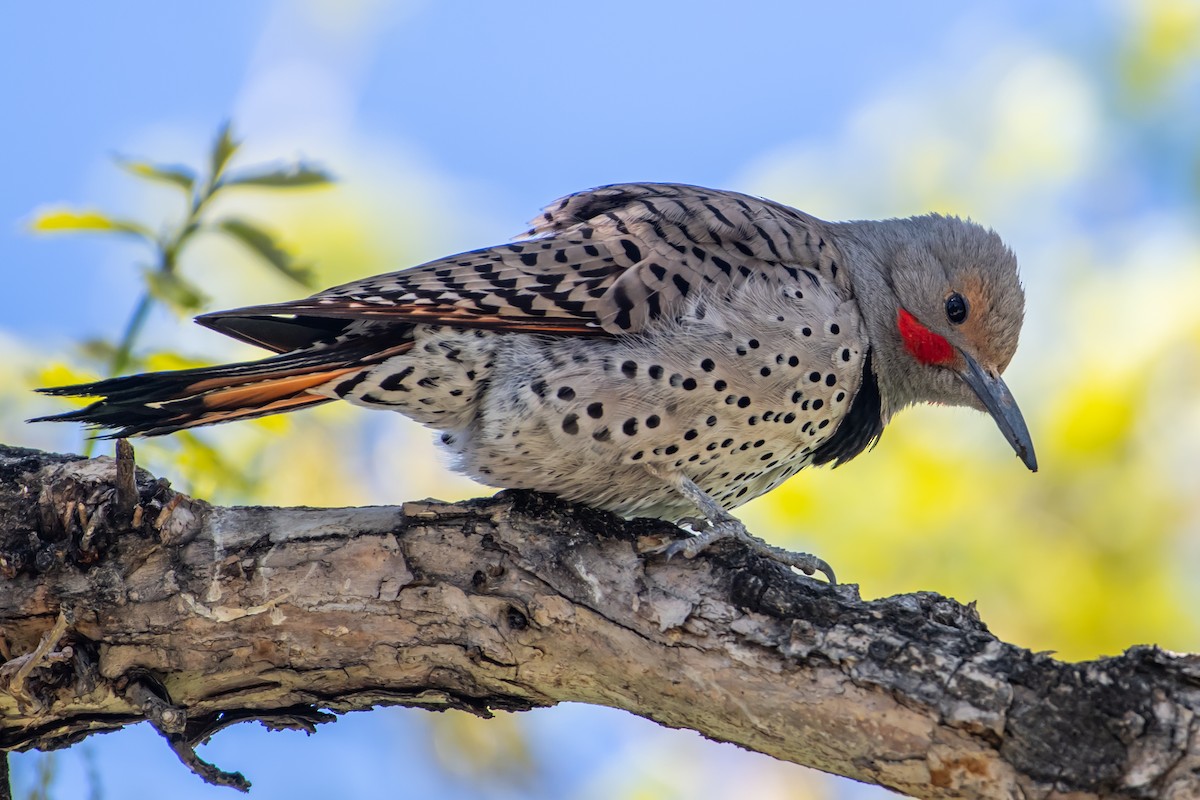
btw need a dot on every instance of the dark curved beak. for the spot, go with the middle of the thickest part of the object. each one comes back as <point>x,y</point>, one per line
<point>999,402</point>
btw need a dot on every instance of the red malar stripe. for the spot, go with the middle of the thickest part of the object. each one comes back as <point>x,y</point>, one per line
<point>925,345</point>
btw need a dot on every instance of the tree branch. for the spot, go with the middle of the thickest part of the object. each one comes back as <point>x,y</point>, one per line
<point>196,617</point>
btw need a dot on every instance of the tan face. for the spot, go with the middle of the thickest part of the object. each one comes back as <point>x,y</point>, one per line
<point>990,329</point>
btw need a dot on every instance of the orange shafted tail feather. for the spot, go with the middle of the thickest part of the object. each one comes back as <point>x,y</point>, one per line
<point>164,402</point>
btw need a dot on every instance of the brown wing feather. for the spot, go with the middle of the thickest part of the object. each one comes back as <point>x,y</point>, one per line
<point>606,261</point>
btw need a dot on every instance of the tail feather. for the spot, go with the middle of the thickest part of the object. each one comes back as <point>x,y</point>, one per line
<point>157,403</point>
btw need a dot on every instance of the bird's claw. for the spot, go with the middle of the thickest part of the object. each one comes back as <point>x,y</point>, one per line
<point>692,546</point>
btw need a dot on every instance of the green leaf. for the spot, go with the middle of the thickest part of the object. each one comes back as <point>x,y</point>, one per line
<point>294,176</point>
<point>178,293</point>
<point>68,220</point>
<point>223,150</point>
<point>180,176</point>
<point>265,246</point>
<point>100,350</point>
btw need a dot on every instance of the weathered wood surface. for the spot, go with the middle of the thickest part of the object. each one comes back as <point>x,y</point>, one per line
<point>125,601</point>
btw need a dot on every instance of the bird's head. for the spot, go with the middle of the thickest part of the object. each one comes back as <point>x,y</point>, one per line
<point>944,307</point>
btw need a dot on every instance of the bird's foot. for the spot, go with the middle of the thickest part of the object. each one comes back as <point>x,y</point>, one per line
<point>733,529</point>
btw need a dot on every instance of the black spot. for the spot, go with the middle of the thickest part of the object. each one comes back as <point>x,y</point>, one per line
<point>570,424</point>
<point>628,368</point>
<point>796,397</point>
<point>691,434</point>
<point>765,372</point>
<point>671,449</point>
<point>658,271</point>
<point>630,426</point>
<point>839,397</point>
<point>726,443</point>
<point>595,410</point>
<point>625,303</point>
<point>753,344</point>
<point>743,402</point>
<point>656,371</point>
<point>722,265</point>
<point>830,379</point>
<point>529,259</point>
<point>631,251</point>
<point>815,377</point>
<point>538,388</point>
<point>637,456</point>
<point>760,442</point>
<point>560,256</point>
<point>824,424</point>
<point>675,379</point>
<point>789,418</point>
<point>708,365</point>
<point>654,306</point>
<point>794,361</point>
<point>806,331</point>
<point>719,385</point>
<point>834,329</point>
<point>711,446</point>
<point>766,456</point>
<point>816,404</point>
<point>689,384</point>
<point>566,393</point>
<point>753,420</point>
<point>845,354</point>
<point>591,249</point>
<point>652,421</point>
<point>681,284</point>
<point>391,383</point>
<point>711,421</point>
<point>601,435</point>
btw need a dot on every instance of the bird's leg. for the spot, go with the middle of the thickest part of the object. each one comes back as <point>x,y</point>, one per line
<point>723,525</point>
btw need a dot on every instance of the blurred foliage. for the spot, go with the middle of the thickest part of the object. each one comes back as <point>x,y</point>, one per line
<point>481,751</point>
<point>166,286</point>
<point>163,281</point>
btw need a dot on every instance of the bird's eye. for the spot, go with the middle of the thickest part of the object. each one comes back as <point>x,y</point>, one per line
<point>956,308</point>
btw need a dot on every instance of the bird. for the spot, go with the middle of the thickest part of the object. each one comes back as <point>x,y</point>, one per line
<point>651,349</point>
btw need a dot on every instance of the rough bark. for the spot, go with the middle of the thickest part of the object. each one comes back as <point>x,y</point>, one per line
<point>125,601</point>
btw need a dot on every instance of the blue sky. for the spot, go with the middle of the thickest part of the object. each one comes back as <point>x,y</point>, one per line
<point>513,103</point>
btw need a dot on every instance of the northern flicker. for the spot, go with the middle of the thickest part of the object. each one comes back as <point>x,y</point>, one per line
<point>651,349</point>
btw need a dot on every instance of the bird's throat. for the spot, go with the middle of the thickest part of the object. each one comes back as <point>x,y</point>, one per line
<point>925,345</point>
